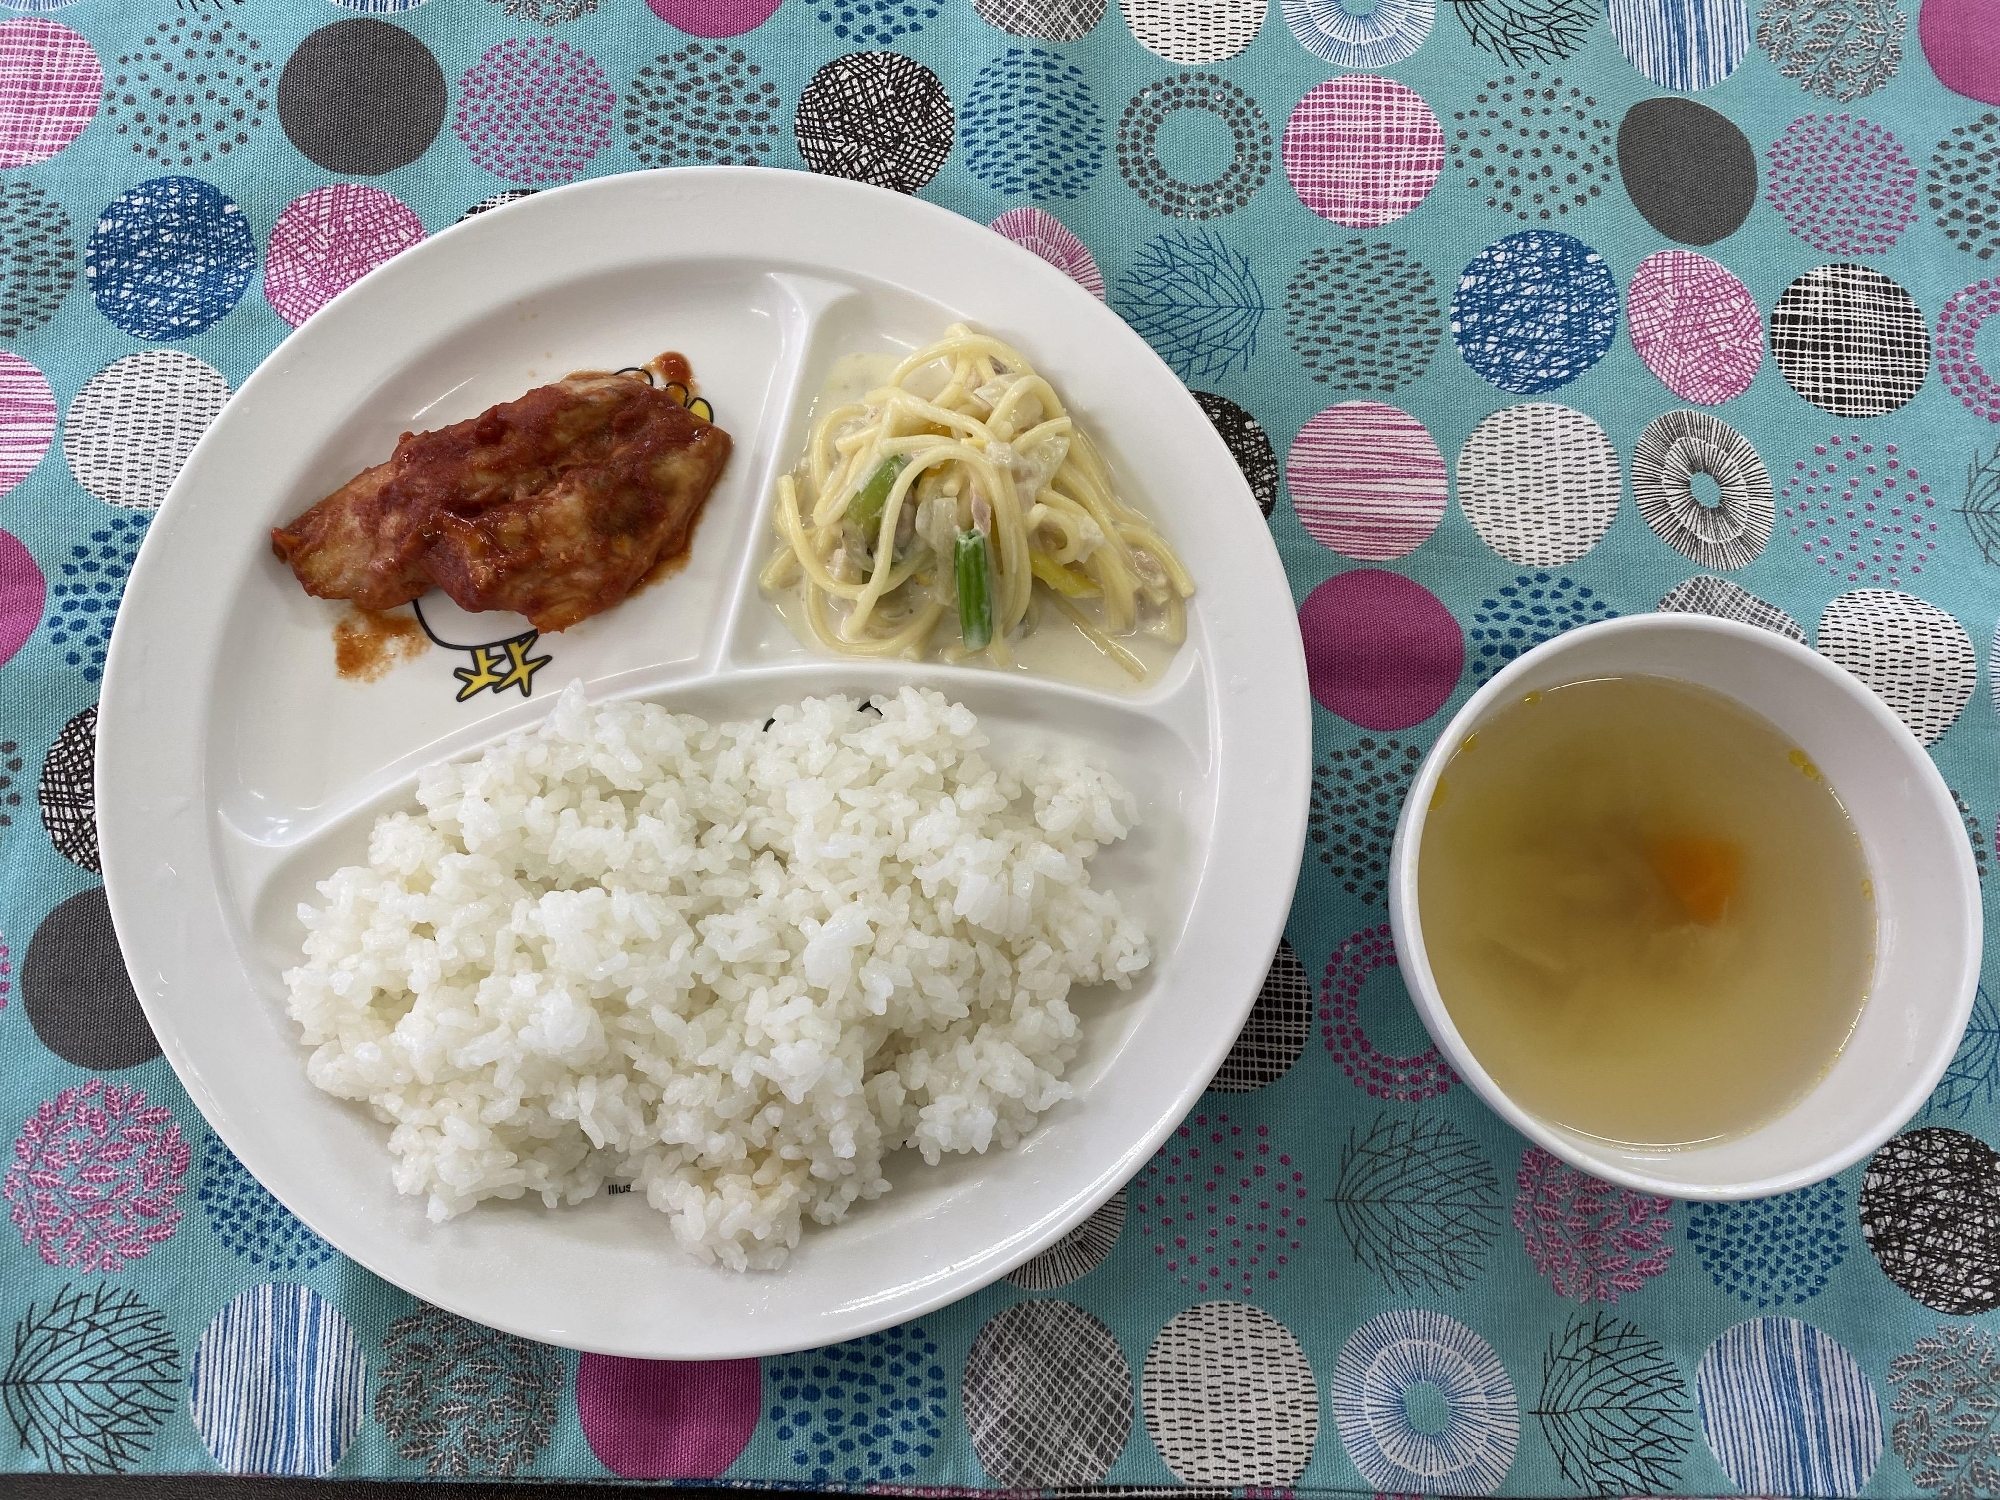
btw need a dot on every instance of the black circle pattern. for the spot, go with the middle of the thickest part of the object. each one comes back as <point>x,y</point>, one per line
<point>1357,795</point>
<point>1274,1036</point>
<point>1963,187</point>
<point>706,105</point>
<point>1044,20</point>
<point>1690,172</point>
<point>1077,1253</point>
<point>362,97</point>
<point>1248,444</point>
<point>40,258</point>
<point>875,117</point>
<point>1930,1211</point>
<point>1047,1396</point>
<point>497,200</point>
<point>192,90</point>
<point>1538,150</point>
<point>1523,32</point>
<point>1850,340</point>
<point>68,793</point>
<point>1363,316</point>
<point>1139,161</point>
<point>79,998</point>
<point>10,767</point>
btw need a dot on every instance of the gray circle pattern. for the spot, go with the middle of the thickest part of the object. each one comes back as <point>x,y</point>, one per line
<point>1047,1396</point>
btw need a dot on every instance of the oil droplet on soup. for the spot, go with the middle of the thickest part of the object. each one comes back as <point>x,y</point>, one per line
<point>1646,923</point>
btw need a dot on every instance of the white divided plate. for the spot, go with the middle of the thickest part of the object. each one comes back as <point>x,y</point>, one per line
<point>235,768</point>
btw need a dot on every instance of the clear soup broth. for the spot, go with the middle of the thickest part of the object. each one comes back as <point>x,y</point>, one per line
<point>1648,913</point>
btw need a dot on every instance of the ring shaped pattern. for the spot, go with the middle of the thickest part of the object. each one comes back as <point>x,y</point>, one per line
<point>1423,1075</point>
<point>1675,448</point>
<point>1360,37</point>
<point>1391,1356</point>
<point>1958,358</point>
<point>1138,146</point>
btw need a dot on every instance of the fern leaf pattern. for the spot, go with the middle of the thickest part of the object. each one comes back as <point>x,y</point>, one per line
<point>1196,301</point>
<point>1418,1203</point>
<point>461,1399</point>
<point>91,1379</point>
<point>1591,1240</point>
<point>1947,1409</point>
<point>1614,1408</point>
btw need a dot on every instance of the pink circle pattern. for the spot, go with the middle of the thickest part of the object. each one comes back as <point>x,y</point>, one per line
<point>95,1176</point>
<point>1593,1242</point>
<point>327,240</point>
<point>1042,232</point>
<point>1695,325</point>
<point>1957,359</point>
<point>23,590</point>
<point>667,1419</point>
<point>50,87</point>
<point>714,18</point>
<point>1222,1204</point>
<point>1367,480</point>
<point>1860,511</point>
<point>534,110</point>
<point>27,418</point>
<point>1381,650</point>
<point>1842,185</point>
<point>1408,1080</point>
<point>1363,151</point>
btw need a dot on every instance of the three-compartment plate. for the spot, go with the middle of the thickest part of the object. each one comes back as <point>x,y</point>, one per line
<point>235,768</point>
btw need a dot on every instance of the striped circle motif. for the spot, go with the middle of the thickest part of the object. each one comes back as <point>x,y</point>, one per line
<point>278,1383</point>
<point>875,117</point>
<point>1042,232</point>
<point>1387,1361</point>
<point>1841,184</point>
<point>1671,451</point>
<point>1351,34</point>
<point>1077,1253</point>
<point>1043,20</point>
<point>1047,1396</point>
<point>1534,311</point>
<point>135,421</point>
<point>327,240</point>
<point>1250,153</point>
<point>1540,483</point>
<point>1031,126</point>
<point>27,418</point>
<point>1363,151</point>
<point>1363,316</point>
<point>1850,340</point>
<point>1367,480</point>
<point>1230,1398</point>
<point>50,87</point>
<point>1787,1411</point>
<point>1709,595</point>
<point>1275,1034</point>
<point>1681,44</point>
<point>1193,31</point>
<point>170,258</point>
<point>1695,325</point>
<point>1958,360</point>
<point>1917,658</point>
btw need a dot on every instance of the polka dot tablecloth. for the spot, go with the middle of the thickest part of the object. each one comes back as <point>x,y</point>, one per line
<point>1517,314</point>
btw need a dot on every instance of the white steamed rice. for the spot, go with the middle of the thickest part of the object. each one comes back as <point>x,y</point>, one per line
<point>734,966</point>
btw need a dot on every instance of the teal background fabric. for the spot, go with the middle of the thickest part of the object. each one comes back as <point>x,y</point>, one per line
<point>1434,275</point>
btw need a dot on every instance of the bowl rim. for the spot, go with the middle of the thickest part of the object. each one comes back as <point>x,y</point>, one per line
<point>1414,960</point>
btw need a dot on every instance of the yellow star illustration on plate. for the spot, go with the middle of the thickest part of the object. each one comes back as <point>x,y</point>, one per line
<point>501,667</point>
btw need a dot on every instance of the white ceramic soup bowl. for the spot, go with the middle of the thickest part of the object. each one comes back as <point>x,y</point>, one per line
<point>1926,901</point>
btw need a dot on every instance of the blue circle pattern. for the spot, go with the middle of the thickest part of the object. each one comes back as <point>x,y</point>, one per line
<point>249,1220</point>
<point>1398,1358</point>
<point>1031,125</point>
<point>169,258</point>
<point>84,599</point>
<point>1360,35</point>
<point>1534,311</point>
<point>867,1411</point>
<point>1533,608</point>
<point>1681,44</point>
<point>1773,1251</point>
<point>876,23</point>
<point>1787,1411</point>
